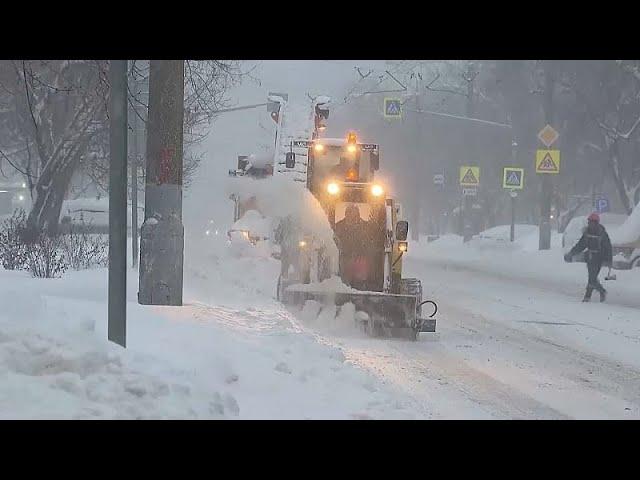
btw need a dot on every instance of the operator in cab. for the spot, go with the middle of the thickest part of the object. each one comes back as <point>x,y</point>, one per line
<point>351,235</point>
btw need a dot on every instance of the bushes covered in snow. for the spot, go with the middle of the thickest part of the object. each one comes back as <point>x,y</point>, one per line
<point>83,250</point>
<point>13,254</point>
<point>44,256</point>
<point>48,256</point>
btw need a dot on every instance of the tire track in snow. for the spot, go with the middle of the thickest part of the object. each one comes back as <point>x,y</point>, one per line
<point>602,385</point>
<point>445,384</point>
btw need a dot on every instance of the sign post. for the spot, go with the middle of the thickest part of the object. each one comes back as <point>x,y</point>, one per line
<point>512,180</point>
<point>547,163</point>
<point>512,230</point>
<point>470,178</point>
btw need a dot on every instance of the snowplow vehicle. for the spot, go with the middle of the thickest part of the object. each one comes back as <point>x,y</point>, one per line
<point>371,237</point>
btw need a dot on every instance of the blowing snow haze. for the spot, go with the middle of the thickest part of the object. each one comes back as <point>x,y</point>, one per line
<point>414,248</point>
<point>243,132</point>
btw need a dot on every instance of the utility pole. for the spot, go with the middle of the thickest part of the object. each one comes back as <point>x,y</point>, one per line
<point>513,194</point>
<point>544,242</point>
<point>468,200</point>
<point>162,233</point>
<point>134,162</point>
<point>415,229</point>
<point>117,307</point>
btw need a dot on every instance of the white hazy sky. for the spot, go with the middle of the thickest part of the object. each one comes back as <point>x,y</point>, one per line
<point>238,133</point>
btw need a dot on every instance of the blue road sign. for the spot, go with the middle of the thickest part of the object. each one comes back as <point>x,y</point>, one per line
<point>392,107</point>
<point>602,205</point>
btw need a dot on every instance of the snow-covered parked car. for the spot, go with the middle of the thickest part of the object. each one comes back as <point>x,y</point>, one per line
<point>90,215</point>
<point>573,231</point>
<point>251,235</point>
<point>625,240</point>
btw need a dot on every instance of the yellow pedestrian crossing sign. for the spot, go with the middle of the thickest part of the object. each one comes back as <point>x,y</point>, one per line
<point>513,178</point>
<point>392,107</point>
<point>548,161</point>
<point>469,176</point>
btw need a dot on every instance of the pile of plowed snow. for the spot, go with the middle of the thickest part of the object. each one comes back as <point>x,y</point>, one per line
<point>279,197</point>
<point>55,362</point>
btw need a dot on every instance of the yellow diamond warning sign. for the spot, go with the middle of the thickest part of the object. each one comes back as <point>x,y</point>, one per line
<point>548,135</point>
<point>548,161</point>
<point>469,176</point>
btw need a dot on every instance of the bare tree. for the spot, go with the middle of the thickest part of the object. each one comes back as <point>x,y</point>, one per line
<point>56,107</point>
<point>54,122</point>
<point>610,94</point>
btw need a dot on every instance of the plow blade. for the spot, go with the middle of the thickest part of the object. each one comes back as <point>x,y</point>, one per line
<point>389,314</point>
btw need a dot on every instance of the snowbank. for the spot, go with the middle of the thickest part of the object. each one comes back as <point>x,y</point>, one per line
<point>520,261</point>
<point>204,360</point>
<point>54,365</point>
<point>278,197</point>
<point>330,319</point>
<point>629,231</point>
<point>526,238</point>
<point>333,284</point>
<point>253,222</point>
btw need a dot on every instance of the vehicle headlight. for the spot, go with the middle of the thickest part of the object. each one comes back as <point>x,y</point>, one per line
<point>302,244</point>
<point>318,147</point>
<point>333,188</point>
<point>351,148</point>
<point>377,190</point>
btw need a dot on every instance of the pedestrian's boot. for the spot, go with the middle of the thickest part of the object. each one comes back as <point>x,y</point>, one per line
<point>603,295</point>
<point>586,299</point>
<point>587,295</point>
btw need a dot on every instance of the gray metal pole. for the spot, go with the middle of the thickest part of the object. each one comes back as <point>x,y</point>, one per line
<point>417,193</point>
<point>117,309</point>
<point>162,233</point>
<point>468,200</point>
<point>545,200</point>
<point>512,234</point>
<point>513,193</point>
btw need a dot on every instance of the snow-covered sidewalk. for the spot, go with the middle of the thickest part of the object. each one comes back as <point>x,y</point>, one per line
<point>231,352</point>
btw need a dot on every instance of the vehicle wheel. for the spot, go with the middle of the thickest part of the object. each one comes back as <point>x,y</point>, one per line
<point>635,263</point>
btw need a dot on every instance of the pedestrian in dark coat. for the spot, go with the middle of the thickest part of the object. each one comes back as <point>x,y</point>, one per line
<point>596,244</point>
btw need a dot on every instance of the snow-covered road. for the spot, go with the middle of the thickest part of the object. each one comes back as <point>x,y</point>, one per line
<point>510,343</point>
<point>512,346</point>
<point>516,359</point>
